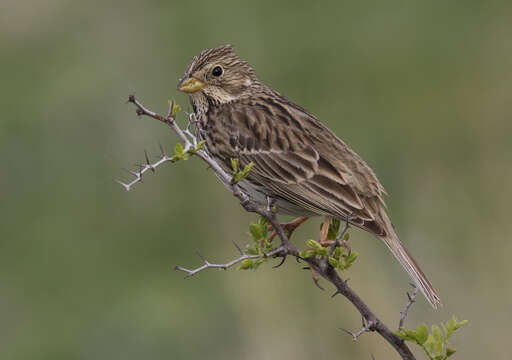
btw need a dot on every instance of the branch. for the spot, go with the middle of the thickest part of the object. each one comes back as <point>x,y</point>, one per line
<point>320,265</point>
<point>189,143</point>
<point>404,312</point>
<point>331,275</point>
<point>144,168</point>
<point>243,256</point>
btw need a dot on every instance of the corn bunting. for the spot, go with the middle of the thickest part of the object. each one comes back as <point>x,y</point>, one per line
<point>299,162</point>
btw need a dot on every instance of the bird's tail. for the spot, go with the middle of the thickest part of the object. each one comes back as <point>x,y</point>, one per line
<point>406,260</point>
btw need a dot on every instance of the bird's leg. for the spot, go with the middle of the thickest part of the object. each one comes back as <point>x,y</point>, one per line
<point>324,241</point>
<point>288,227</point>
<point>316,278</point>
<point>324,232</point>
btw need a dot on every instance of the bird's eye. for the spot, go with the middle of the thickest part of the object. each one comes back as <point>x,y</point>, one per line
<point>217,71</point>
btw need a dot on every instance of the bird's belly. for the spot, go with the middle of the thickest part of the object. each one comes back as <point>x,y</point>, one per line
<point>260,196</point>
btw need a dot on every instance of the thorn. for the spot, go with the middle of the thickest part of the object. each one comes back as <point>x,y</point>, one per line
<point>126,186</point>
<point>148,162</point>
<point>335,293</point>
<point>238,248</point>
<point>348,332</point>
<point>317,284</point>
<point>306,268</point>
<point>139,174</point>
<point>162,150</point>
<point>139,112</point>
<point>280,263</point>
<point>134,173</point>
<point>202,258</point>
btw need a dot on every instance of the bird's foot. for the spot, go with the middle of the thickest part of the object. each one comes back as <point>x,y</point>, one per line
<point>288,227</point>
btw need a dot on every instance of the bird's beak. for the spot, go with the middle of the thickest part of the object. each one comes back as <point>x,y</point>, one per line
<point>190,84</point>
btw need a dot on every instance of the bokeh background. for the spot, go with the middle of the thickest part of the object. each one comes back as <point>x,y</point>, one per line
<point>421,89</point>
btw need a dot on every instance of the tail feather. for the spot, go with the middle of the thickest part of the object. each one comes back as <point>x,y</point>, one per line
<point>406,260</point>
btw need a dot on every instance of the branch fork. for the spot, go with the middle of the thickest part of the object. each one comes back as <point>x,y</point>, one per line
<point>366,327</point>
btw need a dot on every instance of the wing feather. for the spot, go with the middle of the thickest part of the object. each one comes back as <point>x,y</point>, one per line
<point>300,160</point>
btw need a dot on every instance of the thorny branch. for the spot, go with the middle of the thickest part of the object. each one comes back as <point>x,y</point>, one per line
<point>189,142</point>
<point>320,266</point>
<point>242,257</point>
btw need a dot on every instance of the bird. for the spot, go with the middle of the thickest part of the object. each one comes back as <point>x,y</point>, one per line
<point>298,161</point>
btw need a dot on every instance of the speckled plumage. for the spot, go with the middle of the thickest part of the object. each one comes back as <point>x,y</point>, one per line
<point>298,160</point>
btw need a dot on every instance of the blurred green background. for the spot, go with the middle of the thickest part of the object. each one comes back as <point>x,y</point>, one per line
<point>421,89</point>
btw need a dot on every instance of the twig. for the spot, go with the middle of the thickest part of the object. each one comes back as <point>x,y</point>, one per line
<point>143,169</point>
<point>366,327</point>
<point>404,312</point>
<point>339,239</point>
<point>188,143</point>
<point>319,265</point>
<point>242,257</point>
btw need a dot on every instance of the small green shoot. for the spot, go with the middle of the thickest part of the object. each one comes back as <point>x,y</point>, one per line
<point>260,245</point>
<point>435,344</point>
<point>175,108</point>
<point>340,259</point>
<point>240,174</point>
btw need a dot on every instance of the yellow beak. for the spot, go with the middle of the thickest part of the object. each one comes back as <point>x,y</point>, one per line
<point>190,85</point>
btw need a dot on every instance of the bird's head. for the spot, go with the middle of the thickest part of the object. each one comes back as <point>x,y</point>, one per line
<point>219,74</point>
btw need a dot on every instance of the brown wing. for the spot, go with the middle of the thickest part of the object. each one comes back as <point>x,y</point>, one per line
<point>299,159</point>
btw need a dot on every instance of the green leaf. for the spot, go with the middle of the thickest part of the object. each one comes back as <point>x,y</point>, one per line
<point>178,149</point>
<point>307,253</point>
<point>460,324</point>
<point>352,257</point>
<point>436,332</point>
<point>314,244</point>
<point>334,228</point>
<point>439,348</point>
<point>406,335</point>
<point>234,164</point>
<point>449,327</point>
<point>246,264</point>
<point>430,343</point>
<point>248,168</point>
<point>421,334</point>
<point>410,333</point>
<point>450,324</point>
<point>346,236</point>
<point>450,352</point>
<point>175,109</point>
<point>256,231</point>
<point>322,252</point>
<point>333,262</point>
